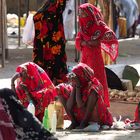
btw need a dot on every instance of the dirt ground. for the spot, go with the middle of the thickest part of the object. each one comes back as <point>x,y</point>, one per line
<point>129,53</point>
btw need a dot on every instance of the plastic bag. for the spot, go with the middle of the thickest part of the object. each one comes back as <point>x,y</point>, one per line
<point>29,31</point>
<point>118,124</point>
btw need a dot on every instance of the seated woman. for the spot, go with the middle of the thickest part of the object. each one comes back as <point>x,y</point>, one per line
<point>16,123</point>
<point>82,98</point>
<point>30,82</point>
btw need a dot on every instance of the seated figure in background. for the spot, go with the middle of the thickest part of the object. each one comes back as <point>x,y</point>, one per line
<point>83,98</point>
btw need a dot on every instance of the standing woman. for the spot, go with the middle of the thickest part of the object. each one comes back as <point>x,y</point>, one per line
<point>49,42</point>
<point>95,35</point>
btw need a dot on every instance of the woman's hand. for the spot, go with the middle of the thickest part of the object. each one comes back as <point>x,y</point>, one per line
<point>24,87</point>
<point>93,43</point>
<point>83,43</point>
<point>13,87</point>
<point>71,100</point>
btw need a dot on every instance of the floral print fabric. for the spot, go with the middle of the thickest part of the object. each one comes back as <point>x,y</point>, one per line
<point>49,42</point>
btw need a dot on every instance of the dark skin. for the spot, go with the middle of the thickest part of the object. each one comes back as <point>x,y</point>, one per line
<point>17,75</point>
<point>76,99</point>
<point>22,75</point>
<point>90,43</point>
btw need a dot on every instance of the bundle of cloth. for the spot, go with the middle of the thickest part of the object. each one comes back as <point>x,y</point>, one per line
<point>16,123</point>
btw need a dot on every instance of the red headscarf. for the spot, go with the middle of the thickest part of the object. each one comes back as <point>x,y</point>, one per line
<point>39,85</point>
<point>87,80</point>
<point>92,27</point>
<point>85,74</point>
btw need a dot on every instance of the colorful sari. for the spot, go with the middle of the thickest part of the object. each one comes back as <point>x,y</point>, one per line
<point>39,86</point>
<point>88,83</point>
<point>93,28</point>
<point>49,42</point>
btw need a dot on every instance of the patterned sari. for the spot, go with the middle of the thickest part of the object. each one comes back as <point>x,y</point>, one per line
<point>88,83</point>
<point>49,42</point>
<point>39,86</point>
<point>93,28</point>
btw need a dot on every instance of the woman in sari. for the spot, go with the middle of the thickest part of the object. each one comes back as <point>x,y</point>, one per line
<point>16,123</point>
<point>95,35</point>
<point>49,42</point>
<point>31,82</point>
<point>83,98</point>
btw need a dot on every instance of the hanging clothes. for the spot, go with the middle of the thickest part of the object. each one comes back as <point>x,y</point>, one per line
<point>49,42</point>
<point>69,20</point>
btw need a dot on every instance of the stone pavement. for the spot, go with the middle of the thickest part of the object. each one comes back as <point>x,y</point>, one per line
<point>129,53</point>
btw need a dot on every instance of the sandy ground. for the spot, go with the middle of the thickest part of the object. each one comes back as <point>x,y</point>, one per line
<point>129,53</point>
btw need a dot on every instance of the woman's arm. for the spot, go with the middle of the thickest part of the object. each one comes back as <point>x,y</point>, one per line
<point>93,43</point>
<point>78,42</point>
<point>71,100</point>
<point>90,105</point>
<point>79,101</point>
<point>15,76</point>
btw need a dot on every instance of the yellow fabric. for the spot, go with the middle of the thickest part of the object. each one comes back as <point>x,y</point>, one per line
<point>122,27</point>
<point>106,58</point>
<point>92,2</point>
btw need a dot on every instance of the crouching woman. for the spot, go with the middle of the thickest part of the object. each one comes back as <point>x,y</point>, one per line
<point>82,98</point>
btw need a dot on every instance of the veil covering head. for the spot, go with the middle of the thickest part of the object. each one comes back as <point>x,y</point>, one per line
<point>93,27</point>
<point>84,73</point>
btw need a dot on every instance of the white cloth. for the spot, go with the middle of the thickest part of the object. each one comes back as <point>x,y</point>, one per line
<point>29,31</point>
<point>69,19</point>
